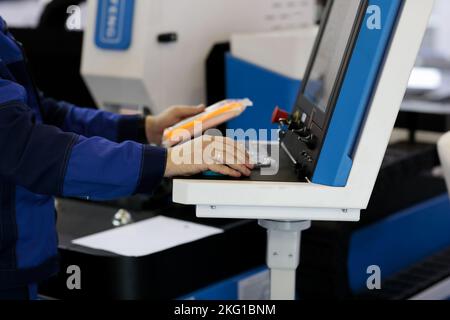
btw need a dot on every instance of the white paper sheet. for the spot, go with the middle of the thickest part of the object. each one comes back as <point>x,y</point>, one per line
<point>147,237</point>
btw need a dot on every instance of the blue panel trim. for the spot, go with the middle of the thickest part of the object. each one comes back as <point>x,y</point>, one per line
<point>399,241</point>
<point>114,28</point>
<point>335,161</point>
<point>224,290</point>
<point>265,88</point>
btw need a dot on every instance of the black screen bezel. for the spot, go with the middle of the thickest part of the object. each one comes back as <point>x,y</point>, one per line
<point>313,111</point>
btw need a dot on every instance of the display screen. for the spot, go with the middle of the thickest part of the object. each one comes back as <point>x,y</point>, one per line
<point>331,53</point>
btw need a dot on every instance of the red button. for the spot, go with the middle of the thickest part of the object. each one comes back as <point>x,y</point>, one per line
<point>279,114</point>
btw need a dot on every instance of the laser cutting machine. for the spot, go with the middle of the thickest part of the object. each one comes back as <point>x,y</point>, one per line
<point>331,146</point>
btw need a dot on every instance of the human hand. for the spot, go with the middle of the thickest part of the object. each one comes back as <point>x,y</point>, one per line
<point>155,125</point>
<point>218,154</point>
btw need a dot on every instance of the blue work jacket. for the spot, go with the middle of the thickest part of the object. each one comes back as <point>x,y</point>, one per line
<point>50,148</point>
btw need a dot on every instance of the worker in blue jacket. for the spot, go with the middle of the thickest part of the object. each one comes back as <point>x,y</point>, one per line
<point>50,148</point>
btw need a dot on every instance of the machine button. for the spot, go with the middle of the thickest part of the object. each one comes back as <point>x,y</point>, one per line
<point>311,142</point>
<point>307,157</point>
<point>305,135</point>
<point>279,115</point>
<point>303,132</point>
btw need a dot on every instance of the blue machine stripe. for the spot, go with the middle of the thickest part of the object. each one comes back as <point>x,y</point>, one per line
<point>265,88</point>
<point>335,162</point>
<point>399,241</point>
<point>223,290</point>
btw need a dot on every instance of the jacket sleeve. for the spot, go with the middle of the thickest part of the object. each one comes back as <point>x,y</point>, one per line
<point>46,160</point>
<point>91,123</point>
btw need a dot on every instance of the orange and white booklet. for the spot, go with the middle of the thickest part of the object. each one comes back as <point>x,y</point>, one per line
<point>213,116</point>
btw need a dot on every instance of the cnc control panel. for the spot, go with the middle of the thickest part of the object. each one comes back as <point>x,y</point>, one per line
<point>321,134</point>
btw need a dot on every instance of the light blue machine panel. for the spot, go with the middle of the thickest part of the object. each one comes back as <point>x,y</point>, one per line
<point>399,241</point>
<point>265,88</point>
<point>114,27</point>
<point>335,160</point>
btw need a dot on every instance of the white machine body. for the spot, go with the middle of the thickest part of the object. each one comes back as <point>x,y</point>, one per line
<point>285,52</point>
<point>157,75</point>
<point>307,201</point>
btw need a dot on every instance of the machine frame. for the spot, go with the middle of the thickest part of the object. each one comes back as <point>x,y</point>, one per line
<point>286,209</point>
<point>308,201</point>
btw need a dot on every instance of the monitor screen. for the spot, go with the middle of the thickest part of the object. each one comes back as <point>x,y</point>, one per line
<point>329,58</point>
